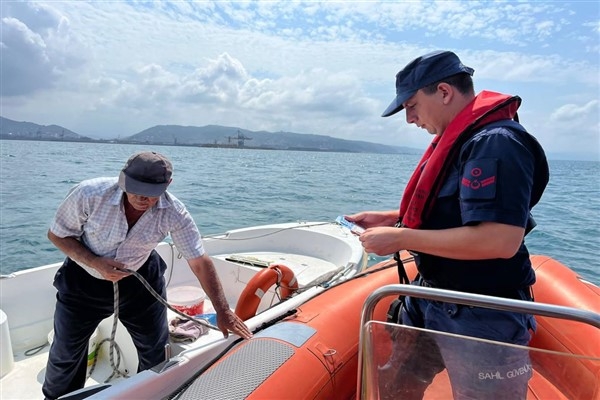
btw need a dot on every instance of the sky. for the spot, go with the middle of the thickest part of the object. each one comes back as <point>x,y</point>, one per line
<point>110,69</point>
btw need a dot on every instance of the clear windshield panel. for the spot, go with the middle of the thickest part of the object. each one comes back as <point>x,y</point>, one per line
<point>402,362</point>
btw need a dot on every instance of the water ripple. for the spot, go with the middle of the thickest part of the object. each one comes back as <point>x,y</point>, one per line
<point>230,188</point>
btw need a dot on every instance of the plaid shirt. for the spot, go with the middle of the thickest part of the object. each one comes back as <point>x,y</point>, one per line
<point>93,211</point>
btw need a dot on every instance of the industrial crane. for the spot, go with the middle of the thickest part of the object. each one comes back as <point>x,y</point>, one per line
<point>240,138</point>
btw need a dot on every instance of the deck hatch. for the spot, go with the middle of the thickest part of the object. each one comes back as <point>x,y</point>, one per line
<point>291,332</point>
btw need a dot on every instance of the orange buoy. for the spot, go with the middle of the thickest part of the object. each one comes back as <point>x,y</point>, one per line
<point>250,298</point>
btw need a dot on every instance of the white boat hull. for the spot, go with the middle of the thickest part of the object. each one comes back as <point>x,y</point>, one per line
<point>316,252</point>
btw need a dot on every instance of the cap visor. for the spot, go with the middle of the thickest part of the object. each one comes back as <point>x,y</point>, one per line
<point>132,186</point>
<point>396,104</point>
<point>392,109</point>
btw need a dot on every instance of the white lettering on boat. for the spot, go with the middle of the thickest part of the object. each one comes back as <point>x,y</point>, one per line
<point>513,373</point>
<point>490,375</point>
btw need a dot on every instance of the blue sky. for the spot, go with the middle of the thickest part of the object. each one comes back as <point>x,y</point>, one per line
<point>109,69</point>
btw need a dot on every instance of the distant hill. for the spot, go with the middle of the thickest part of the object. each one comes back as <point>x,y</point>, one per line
<point>225,136</point>
<point>206,136</point>
<point>29,130</point>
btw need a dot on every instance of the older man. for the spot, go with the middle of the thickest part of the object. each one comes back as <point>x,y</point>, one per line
<point>103,226</point>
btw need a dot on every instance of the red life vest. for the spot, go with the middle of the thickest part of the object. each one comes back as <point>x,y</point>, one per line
<point>431,172</point>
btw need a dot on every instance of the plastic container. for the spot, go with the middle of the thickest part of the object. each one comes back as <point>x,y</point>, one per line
<point>187,299</point>
<point>7,360</point>
<point>211,318</point>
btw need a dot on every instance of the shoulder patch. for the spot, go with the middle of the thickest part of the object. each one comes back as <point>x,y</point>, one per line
<point>479,178</point>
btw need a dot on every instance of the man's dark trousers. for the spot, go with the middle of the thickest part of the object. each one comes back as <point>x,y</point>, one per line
<point>83,301</point>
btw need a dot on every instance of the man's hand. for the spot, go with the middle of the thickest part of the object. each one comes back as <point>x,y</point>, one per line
<point>371,219</point>
<point>76,251</point>
<point>228,321</point>
<point>109,269</point>
<point>381,241</point>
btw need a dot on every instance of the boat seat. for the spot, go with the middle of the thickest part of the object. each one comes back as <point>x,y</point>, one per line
<point>308,270</point>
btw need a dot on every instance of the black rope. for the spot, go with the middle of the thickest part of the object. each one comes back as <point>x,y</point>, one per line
<point>35,350</point>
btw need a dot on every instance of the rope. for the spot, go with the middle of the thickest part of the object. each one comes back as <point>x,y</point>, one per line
<point>158,297</point>
<point>35,350</point>
<point>220,235</point>
<point>114,345</point>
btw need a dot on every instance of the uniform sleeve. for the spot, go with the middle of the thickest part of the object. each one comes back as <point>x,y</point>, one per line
<point>496,178</point>
<point>71,215</point>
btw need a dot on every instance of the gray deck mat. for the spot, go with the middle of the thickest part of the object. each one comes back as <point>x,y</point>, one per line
<point>241,373</point>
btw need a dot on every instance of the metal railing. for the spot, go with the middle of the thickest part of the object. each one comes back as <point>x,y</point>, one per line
<point>468,299</point>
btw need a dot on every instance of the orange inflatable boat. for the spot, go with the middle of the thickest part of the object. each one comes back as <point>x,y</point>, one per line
<point>313,353</point>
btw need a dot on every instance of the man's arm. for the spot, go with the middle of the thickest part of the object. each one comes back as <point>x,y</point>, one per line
<point>77,252</point>
<point>227,320</point>
<point>487,240</point>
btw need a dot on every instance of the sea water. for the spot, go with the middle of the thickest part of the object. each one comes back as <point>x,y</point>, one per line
<point>226,189</point>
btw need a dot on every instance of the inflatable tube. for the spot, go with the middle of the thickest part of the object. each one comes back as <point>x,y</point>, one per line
<point>556,284</point>
<point>313,354</point>
<point>310,355</point>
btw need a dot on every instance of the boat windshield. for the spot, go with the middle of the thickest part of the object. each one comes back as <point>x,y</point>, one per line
<point>491,369</point>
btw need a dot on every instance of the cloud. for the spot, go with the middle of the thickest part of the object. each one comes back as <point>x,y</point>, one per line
<point>310,67</point>
<point>36,48</point>
<point>570,112</point>
<point>573,128</point>
<point>536,68</point>
<point>223,87</point>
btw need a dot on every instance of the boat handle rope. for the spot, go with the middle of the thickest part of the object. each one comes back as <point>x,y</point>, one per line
<point>225,236</point>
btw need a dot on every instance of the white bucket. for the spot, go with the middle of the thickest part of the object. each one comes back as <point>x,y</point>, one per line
<point>187,299</point>
<point>7,360</point>
<point>91,345</point>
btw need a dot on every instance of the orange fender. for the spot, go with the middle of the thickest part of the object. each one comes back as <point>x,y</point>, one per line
<point>576,378</point>
<point>251,296</point>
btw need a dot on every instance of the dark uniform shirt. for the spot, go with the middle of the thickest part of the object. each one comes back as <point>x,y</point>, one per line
<point>497,174</point>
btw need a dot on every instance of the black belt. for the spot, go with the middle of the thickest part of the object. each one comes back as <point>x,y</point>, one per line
<point>516,294</point>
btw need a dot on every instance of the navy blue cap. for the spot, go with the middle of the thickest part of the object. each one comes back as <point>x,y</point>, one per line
<point>423,71</point>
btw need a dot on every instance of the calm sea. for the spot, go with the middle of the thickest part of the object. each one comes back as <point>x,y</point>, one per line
<point>226,189</point>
